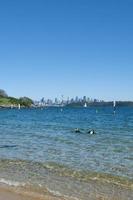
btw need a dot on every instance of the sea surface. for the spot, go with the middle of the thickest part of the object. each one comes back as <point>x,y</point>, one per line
<point>39,149</point>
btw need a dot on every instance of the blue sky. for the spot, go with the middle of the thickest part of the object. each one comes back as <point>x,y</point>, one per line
<point>70,47</point>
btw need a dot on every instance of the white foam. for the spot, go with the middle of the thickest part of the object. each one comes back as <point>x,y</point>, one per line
<point>57,193</point>
<point>11,183</point>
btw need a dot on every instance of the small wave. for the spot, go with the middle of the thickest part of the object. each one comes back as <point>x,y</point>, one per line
<point>37,169</point>
<point>11,183</point>
<point>86,176</point>
<point>59,194</point>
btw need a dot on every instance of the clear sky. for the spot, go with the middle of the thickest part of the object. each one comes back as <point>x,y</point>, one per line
<point>70,47</point>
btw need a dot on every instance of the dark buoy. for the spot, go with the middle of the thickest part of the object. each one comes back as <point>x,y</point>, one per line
<point>91,132</point>
<point>77,130</point>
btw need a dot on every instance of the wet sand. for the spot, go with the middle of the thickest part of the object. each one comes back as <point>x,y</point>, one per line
<point>10,194</point>
<point>7,194</point>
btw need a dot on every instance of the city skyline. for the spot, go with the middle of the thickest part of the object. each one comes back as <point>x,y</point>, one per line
<point>74,48</point>
<point>69,99</point>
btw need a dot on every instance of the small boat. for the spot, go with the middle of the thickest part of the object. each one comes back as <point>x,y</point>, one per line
<point>85,105</point>
<point>19,106</point>
<point>114,106</point>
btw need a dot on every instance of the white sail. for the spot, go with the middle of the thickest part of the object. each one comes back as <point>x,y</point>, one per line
<point>85,105</point>
<point>19,106</point>
<point>114,107</point>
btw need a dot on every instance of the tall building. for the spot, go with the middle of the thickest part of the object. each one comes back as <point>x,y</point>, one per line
<point>84,99</point>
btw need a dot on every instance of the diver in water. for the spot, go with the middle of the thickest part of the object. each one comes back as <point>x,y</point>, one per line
<point>91,132</point>
<point>77,130</point>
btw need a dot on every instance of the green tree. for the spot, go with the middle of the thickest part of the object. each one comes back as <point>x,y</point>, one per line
<point>25,101</point>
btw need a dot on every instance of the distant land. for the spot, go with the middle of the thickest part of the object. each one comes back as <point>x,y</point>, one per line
<point>103,103</point>
<point>7,101</point>
<point>26,102</point>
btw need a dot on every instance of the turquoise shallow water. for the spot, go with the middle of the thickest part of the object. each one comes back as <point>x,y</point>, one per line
<point>33,141</point>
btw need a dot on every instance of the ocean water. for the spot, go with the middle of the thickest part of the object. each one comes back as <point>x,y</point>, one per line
<point>40,148</point>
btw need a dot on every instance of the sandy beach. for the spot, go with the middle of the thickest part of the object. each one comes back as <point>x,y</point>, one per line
<point>7,194</point>
<point>11,193</point>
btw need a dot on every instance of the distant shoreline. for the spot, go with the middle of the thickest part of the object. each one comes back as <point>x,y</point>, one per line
<point>74,105</point>
<point>100,104</point>
<point>26,102</point>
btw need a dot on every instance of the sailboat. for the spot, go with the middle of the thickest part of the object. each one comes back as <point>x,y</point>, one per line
<point>19,106</point>
<point>114,106</point>
<point>85,105</point>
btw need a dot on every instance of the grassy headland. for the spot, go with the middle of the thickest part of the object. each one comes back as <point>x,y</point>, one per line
<point>7,101</point>
<point>14,102</point>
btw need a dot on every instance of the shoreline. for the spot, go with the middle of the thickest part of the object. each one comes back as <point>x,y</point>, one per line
<point>54,182</point>
<point>94,190</point>
<point>9,193</point>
